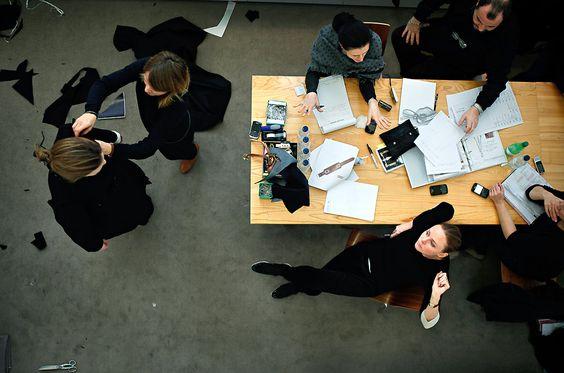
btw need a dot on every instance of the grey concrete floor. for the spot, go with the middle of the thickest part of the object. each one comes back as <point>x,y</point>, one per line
<point>177,295</point>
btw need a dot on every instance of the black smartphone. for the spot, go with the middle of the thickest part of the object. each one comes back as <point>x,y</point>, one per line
<point>437,190</point>
<point>480,190</point>
<point>371,128</point>
<point>538,165</point>
<point>255,129</point>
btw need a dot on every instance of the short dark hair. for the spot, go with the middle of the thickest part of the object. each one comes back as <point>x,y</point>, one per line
<point>453,237</point>
<point>352,32</point>
<point>498,6</point>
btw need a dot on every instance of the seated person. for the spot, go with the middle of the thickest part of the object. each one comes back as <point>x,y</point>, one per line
<point>415,254</point>
<point>475,37</point>
<point>346,47</point>
<point>94,198</point>
<point>534,251</point>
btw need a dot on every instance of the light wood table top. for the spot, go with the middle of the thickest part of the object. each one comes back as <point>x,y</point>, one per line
<point>542,108</point>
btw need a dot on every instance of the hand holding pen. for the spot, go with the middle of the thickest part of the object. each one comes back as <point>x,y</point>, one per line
<point>311,101</point>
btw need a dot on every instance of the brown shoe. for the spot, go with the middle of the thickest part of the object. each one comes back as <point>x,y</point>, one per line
<point>187,164</point>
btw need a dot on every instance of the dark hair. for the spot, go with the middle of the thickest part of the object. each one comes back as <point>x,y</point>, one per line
<point>453,237</point>
<point>498,6</point>
<point>168,73</point>
<point>352,32</point>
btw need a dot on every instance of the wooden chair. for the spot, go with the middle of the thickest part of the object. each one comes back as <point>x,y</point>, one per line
<point>409,298</point>
<point>382,29</point>
<point>511,277</point>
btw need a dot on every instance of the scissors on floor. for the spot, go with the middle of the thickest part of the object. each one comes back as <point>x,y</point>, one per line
<point>68,367</point>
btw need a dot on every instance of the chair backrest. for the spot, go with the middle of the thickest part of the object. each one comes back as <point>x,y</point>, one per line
<point>513,278</point>
<point>410,298</point>
<point>382,29</point>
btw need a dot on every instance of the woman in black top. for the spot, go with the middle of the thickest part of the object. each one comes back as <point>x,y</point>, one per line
<point>346,47</point>
<point>415,254</point>
<point>94,198</point>
<point>534,251</point>
<point>160,82</point>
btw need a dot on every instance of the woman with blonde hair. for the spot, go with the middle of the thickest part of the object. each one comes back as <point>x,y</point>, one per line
<point>160,82</point>
<point>94,197</point>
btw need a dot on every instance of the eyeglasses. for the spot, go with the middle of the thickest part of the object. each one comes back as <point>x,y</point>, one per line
<point>422,116</point>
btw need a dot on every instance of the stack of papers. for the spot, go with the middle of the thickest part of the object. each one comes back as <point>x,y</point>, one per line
<point>515,186</point>
<point>337,112</point>
<point>333,156</point>
<point>416,94</point>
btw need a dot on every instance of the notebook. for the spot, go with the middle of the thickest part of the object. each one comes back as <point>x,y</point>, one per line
<point>337,112</point>
<point>515,186</point>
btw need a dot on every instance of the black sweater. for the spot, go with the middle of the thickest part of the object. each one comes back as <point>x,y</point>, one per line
<point>535,251</point>
<point>102,206</point>
<point>492,51</point>
<point>170,130</point>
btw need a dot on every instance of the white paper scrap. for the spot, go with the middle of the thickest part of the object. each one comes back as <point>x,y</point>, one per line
<point>222,25</point>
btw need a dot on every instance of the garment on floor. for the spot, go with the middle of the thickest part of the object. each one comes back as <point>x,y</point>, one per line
<point>24,85</point>
<point>72,94</point>
<point>208,94</point>
<point>509,302</point>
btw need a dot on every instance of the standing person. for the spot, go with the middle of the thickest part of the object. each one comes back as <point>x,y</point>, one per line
<point>94,198</point>
<point>160,82</point>
<point>346,47</point>
<point>417,253</point>
<point>534,251</point>
<point>475,37</point>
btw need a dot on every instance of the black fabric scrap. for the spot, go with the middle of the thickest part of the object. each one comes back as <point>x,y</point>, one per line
<point>252,15</point>
<point>24,84</point>
<point>3,247</point>
<point>39,241</point>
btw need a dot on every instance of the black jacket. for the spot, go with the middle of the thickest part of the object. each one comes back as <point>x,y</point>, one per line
<point>491,52</point>
<point>102,206</point>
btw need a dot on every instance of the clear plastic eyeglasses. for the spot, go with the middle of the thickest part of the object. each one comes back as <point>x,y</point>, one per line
<point>422,116</point>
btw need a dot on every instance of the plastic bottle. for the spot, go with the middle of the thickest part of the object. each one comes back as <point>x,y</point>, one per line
<point>517,162</point>
<point>516,148</point>
<point>303,148</point>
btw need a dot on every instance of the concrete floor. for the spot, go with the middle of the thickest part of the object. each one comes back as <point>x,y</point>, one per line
<point>177,295</point>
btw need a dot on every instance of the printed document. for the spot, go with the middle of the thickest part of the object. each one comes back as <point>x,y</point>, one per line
<point>503,113</point>
<point>515,186</point>
<point>335,157</point>
<point>355,200</point>
<point>482,151</point>
<point>337,112</point>
<point>416,94</point>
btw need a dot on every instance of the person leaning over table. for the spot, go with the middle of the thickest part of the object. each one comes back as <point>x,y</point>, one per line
<point>415,254</point>
<point>346,47</point>
<point>160,82</point>
<point>475,37</point>
<point>94,198</point>
<point>534,251</point>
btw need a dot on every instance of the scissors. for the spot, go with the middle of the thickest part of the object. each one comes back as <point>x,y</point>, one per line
<point>70,367</point>
<point>335,167</point>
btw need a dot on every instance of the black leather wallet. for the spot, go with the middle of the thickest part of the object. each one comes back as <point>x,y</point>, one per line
<point>400,139</point>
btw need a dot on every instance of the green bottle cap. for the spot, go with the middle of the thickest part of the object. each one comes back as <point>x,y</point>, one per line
<point>525,143</point>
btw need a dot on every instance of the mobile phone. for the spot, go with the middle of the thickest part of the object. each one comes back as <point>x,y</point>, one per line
<point>371,128</point>
<point>439,189</point>
<point>254,130</point>
<point>538,165</point>
<point>480,190</point>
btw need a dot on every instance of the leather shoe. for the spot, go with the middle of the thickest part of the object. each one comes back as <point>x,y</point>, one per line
<point>187,164</point>
<point>272,269</point>
<point>285,290</point>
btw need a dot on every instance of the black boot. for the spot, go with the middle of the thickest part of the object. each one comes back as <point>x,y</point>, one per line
<point>285,290</point>
<point>273,269</point>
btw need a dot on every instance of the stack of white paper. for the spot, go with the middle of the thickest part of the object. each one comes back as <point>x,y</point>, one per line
<point>416,94</point>
<point>355,200</point>
<point>515,186</point>
<point>337,112</point>
<point>482,151</point>
<point>503,113</point>
<point>330,153</point>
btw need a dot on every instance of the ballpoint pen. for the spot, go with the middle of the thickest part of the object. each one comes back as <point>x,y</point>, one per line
<point>372,156</point>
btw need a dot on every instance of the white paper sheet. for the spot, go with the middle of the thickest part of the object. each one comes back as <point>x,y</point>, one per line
<point>515,186</point>
<point>351,199</point>
<point>327,154</point>
<point>222,25</point>
<point>416,94</point>
<point>337,112</point>
<point>503,113</point>
<point>483,150</point>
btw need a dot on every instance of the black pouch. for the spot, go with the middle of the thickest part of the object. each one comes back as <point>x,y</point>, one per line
<point>400,139</point>
<point>5,354</point>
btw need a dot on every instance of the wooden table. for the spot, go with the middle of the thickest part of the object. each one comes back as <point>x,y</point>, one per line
<point>542,108</point>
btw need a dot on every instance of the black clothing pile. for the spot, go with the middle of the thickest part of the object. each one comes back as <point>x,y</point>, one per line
<point>294,191</point>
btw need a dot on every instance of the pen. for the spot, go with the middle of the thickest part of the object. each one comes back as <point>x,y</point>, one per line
<point>436,99</point>
<point>372,156</point>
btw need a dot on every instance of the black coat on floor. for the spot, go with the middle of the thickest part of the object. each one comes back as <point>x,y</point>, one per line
<point>209,93</point>
<point>102,206</point>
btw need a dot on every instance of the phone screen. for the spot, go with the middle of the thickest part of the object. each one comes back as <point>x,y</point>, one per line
<point>478,189</point>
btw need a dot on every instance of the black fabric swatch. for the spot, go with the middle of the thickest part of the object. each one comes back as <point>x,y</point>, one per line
<point>252,15</point>
<point>39,241</point>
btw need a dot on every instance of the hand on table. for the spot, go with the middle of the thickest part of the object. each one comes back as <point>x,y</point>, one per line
<point>471,118</point>
<point>374,113</point>
<point>311,101</point>
<point>411,31</point>
<point>552,205</point>
<point>497,194</point>
<point>401,228</point>
<point>83,124</point>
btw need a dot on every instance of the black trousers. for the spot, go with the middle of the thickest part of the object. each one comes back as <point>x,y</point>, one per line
<point>345,274</point>
<point>429,60</point>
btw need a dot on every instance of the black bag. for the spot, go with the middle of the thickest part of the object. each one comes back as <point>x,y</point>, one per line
<point>5,354</point>
<point>400,139</point>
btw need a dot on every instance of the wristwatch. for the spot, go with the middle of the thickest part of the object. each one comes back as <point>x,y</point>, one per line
<point>478,107</point>
<point>433,305</point>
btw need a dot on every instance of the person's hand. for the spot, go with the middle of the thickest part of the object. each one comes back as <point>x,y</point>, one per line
<point>310,102</point>
<point>411,31</point>
<point>105,245</point>
<point>107,148</point>
<point>497,194</point>
<point>471,119</point>
<point>440,285</point>
<point>401,228</point>
<point>374,113</point>
<point>83,124</point>
<point>552,205</point>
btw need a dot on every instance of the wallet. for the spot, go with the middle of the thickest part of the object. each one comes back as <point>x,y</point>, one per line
<point>400,139</point>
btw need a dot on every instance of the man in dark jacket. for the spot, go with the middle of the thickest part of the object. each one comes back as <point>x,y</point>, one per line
<point>475,37</point>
